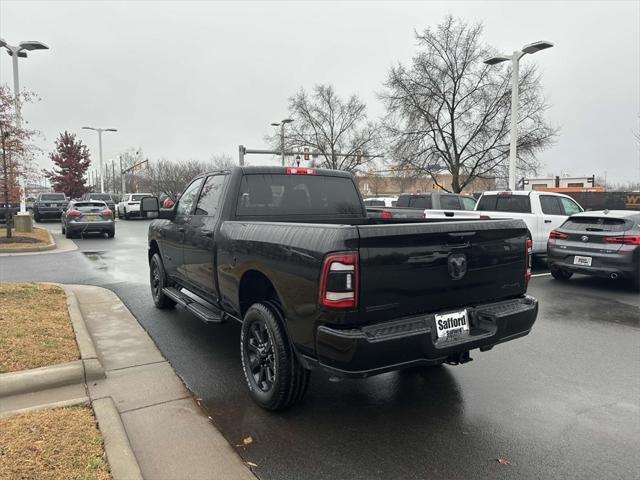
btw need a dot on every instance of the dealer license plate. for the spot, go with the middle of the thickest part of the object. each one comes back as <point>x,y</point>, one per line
<point>452,324</point>
<point>578,260</point>
<point>90,218</point>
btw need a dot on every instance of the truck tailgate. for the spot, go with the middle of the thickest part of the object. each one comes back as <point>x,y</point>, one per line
<point>415,268</point>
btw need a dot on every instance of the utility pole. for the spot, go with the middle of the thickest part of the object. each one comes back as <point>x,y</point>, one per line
<point>122,177</point>
<point>113,176</point>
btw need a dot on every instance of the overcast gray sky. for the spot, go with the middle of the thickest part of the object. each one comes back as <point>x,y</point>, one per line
<point>190,79</point>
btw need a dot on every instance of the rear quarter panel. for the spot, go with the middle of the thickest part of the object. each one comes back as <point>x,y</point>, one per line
<point>290,255</point>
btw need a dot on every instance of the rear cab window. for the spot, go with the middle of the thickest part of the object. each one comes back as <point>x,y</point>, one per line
<point>450,202</point>
<point>415,201</point>
<point>468,203</point>
<point>505,203</point>
<point>52,197</point>
<point>315,195</point>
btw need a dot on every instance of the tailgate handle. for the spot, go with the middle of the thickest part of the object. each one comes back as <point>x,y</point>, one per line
<point>547,221</point>
<point>462,234</point>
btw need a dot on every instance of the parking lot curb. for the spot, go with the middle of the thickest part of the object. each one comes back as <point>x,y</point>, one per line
<point>51,246</point>
<point>74,402</point>
<point>43,378</point>
<point>122,461</point>
<point>87,368</point>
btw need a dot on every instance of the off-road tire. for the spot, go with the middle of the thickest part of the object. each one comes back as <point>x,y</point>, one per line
<point>290,380</point>
<point>158,280</point>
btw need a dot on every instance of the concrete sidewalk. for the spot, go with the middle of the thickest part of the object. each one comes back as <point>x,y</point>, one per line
<point>170,436</point>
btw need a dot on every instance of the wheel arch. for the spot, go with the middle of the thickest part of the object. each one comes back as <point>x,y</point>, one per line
<point>255,287</point>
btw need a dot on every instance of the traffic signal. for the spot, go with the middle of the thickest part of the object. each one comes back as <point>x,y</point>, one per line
<point>306,153</point>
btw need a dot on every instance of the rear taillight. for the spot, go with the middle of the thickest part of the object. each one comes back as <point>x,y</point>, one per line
<point>74,213</point>
<point>386,215</point>
<point>107,213</point>
<point>624,240</point>
<point>301,171</point>
<point>339,281</point>
<point>528,252</point>
<point>555,235</point>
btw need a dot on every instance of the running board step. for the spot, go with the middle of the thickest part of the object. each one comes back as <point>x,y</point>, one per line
<point>207,315</point>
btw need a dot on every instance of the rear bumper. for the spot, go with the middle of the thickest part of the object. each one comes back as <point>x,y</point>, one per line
<point>413,341</point>
<point>91,227</point>
<point>49,212</point>
<point>624,265</point>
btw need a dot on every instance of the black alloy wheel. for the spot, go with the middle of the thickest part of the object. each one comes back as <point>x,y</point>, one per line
<point>274,375</point>
<point>259,351</point>
<point>158,280</point>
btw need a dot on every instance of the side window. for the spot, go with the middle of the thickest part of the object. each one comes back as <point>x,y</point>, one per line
<point>569,206</point>
<point>550,205</point>
<point>210,196</point>
<point>468,203</point>
<point>422,201</point>
<point>449,202</point>
<point>188,197</point>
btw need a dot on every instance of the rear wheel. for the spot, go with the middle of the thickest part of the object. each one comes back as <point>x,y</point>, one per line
<point>126,215</point>
<point>36,216</point>
<point>111,233</point>
<point>158,279</point>
<point>274,375</point>
<point>560,274</point>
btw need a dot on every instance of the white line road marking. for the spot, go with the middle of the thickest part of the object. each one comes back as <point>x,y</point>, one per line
<point>541,274</point>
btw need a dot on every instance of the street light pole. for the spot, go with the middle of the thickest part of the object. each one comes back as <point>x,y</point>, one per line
<point>16,51</point>
<point>515,78</point>
<point>100,130</point>
<point>513,144</point>
<point>281,125</point>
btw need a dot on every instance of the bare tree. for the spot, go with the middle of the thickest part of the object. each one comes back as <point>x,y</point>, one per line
<point>336,129</point>
<point>222,162</point>
<point>448,112</point>
<point>170,178</point>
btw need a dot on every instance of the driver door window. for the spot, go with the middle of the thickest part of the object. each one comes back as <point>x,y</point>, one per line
<point>185,204</point>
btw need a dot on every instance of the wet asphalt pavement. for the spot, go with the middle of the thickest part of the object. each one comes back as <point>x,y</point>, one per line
<point>563,402</point>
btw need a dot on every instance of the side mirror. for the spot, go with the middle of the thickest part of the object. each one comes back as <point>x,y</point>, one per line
<point>149,207</point>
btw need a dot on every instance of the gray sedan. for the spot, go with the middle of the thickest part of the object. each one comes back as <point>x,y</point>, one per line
<point>604,243</point>
<point>82,217</point>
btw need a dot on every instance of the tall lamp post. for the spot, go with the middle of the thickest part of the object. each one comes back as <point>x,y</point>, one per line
<point>281,125</point>
<point>15,52</point>
<point>100,130</point>
<point>515,61</point>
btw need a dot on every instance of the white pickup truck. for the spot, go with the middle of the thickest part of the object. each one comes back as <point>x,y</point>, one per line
<point>541,211</point>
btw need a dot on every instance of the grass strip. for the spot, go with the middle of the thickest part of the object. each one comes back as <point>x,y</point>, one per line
<point>61,443</point>
<point>35,329</point>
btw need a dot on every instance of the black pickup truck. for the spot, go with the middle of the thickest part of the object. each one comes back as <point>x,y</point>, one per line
<point>291,254</point>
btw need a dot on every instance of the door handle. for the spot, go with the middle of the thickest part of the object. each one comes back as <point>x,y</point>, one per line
<point>547,221</point>
<point>181,229</point>
<point>207,233</point>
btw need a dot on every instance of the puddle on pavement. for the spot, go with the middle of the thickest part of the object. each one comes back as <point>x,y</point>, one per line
<point>97,257</point>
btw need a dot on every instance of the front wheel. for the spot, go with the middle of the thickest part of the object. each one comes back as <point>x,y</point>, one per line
<point>126,215</point>
<point>274,375</point>
<point>158,280</point>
